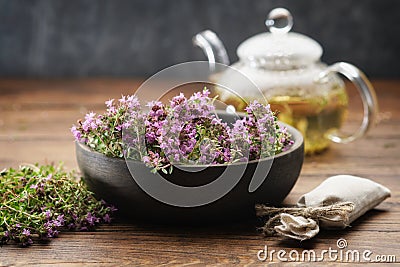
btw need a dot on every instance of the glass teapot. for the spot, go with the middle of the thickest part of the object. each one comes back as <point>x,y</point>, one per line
<point>286,68</point>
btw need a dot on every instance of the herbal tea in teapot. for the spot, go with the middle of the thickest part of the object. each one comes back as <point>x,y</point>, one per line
<point>286,70</point>
<point>314,116</point>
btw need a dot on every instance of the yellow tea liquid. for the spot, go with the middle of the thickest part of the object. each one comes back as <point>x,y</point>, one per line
<point>314,117</point>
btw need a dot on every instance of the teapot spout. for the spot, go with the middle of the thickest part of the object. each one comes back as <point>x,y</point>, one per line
<point>212,46</point>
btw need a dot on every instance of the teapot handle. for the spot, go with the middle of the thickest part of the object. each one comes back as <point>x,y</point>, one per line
<point>212,46</point>
<point>368,96</point>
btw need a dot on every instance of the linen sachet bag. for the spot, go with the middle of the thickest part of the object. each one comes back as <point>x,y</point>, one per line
<point>335,203</point>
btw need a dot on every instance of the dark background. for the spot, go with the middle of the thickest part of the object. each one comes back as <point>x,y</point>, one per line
<point>121,38</point>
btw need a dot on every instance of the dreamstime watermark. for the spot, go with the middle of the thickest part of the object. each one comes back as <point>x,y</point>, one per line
<point>232,82</point>
<point>338,254</point>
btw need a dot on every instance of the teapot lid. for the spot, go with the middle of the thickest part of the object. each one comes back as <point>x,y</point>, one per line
<point>280,46</point>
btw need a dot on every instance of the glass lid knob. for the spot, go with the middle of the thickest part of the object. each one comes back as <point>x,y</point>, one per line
<point>279,21</point>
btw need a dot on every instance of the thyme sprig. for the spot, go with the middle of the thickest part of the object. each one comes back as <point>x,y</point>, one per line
<point>39,201</point>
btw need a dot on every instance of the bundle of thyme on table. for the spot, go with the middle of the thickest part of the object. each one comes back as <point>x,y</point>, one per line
<point>39,201</point>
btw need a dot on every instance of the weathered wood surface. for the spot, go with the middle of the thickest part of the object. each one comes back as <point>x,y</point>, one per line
<point>35,117</point>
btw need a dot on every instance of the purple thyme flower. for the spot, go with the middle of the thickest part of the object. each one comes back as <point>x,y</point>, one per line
<point>60,220</point>
<point>122,100</point>
<point>107,218</point>
<point>50,229</point>
<point>109,103</point>
<point>34,186</point>
<point>91,219</point>
<point>47,214</point>
<point>77,134</point>
<point>113,208</point>
<point>91,122</point>
<point>26,232</point>
<point>133,102</point>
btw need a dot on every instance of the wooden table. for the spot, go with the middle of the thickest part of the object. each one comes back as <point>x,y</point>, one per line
<point>35,117</point>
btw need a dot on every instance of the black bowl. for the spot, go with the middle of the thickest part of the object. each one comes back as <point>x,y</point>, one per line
<point>112,181</point>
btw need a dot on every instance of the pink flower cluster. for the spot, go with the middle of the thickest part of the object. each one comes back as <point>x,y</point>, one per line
<point>187,131</point>
<point>103,133</point>
<point>260,133</point>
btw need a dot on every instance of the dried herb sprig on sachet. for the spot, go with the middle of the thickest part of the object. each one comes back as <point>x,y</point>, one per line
<point>36,202</point>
